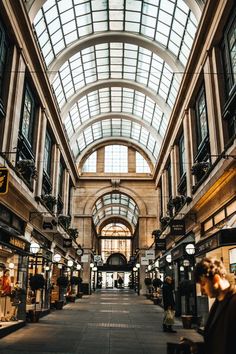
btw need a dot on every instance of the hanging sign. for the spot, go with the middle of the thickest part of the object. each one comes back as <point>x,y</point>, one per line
<point>160,244</point>
<point>85,258</point>
<point>150,254</point>
<point>144,261</point>
<point>177,227</point>
<point>4,178</point>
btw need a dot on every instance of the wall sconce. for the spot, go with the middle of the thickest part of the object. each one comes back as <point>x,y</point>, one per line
<point>135,269</point>
<point>149,267</point>
<point>34,247</point>
<point>47,268</point>
<point>168,258</point>
<point>181,268</point>
<point>137,265</point>
<point>95,269</point>
<point>11,265</point>
<point>59,266</point>
<point>190,249</point>
<point>91,265</point>
<point>78,267</point>
<point>56,258</point>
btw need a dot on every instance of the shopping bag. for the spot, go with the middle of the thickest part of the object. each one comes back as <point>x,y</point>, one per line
<point>169,317</point>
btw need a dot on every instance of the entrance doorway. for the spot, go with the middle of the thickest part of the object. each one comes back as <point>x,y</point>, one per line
<point>109,279</point>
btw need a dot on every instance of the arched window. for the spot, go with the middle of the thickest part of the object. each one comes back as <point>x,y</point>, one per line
<point>90,164</point>
<point>116,159</point>
<point>141,164</point>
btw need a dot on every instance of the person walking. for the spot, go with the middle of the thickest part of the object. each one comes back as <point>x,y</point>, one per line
<point>220,328</point>
<point>169,305</point>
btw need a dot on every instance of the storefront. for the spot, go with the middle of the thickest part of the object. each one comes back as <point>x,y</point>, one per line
<point>221,245</point>
<point>59,279</point>
<point>40,262</point>
<point>14,252</point>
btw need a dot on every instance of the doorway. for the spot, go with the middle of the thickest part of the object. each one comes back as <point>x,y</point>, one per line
<point>109,279</point>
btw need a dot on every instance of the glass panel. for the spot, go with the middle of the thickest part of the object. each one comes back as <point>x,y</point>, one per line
<point>141,164</point>
<point>90,164</point>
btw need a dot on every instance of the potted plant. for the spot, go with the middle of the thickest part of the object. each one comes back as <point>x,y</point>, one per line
<point>27,169</point>
<point>36,283</point>
<point>63,283</point>
<point>199,169</point>
<point>65,221</point>
<point>49,200</point>
<point>186,289</point>
<point>148,283</point>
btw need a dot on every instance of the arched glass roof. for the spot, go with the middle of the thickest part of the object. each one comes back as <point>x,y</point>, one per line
<point>115,229</point>
<point>137,73</point>
<point>115,204</point>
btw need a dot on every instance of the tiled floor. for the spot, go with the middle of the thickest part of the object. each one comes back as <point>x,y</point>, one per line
<point>107,322</point>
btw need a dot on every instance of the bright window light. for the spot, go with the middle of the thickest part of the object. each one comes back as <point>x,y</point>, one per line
<point>141,164</point>
<point>116,158</point>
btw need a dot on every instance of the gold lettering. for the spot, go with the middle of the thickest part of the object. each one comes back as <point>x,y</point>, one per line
<point>18,243</point>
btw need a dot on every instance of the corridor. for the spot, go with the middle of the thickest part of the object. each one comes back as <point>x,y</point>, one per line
<point>107,322</point>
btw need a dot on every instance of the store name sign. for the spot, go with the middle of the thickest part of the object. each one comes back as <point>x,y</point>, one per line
<point>177,227</point>
<point>150,254</point>
<point>17,243</point>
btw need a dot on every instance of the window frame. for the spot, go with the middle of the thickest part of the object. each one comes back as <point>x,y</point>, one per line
<point>30,133</point>
<point>47,158</point>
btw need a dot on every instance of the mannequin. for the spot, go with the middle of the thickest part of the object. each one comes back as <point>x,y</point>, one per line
<point>5,304</point>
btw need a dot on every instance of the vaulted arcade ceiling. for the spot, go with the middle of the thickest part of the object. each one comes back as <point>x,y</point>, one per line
<point>115,65</point>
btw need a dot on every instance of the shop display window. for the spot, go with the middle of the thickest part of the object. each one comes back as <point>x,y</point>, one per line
<point>40,299</point>
<point>13,273</point>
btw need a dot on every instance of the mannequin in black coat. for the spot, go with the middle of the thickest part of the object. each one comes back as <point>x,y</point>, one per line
<point>168,301</point>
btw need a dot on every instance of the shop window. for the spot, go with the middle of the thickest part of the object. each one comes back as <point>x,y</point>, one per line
<point>12,285</point>
<point>229,65</point>
<point>182,185</point>
<point>202,125</point>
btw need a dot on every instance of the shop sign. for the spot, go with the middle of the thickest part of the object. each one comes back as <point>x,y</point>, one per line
<point>207,245</point>
<point>17,242</point>
<point>67,243</point>
<point>97,258</point>
<point>232,268</point>
<point>160,244</point>
<point>177,227</point>
<point>150,254</point>
<point>45,254</point>
<point>85,258</point>
<point>4,178</point>
<point>144,261</point>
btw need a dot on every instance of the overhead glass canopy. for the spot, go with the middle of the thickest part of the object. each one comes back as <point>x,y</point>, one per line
<point>137,74</point>
<point>115,204</point>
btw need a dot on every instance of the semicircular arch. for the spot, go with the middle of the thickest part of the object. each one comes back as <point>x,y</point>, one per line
<point>114,219</point>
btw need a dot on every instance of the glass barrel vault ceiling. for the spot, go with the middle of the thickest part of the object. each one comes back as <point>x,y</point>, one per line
<point>109,86</point>
<point>114,204</point>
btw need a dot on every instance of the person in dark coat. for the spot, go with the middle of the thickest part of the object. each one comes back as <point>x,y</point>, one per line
<point>168,302</point>
<point>220,328</point>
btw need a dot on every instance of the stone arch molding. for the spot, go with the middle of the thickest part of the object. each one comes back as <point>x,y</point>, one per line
<point>106,190</point>
<point>123,220</point>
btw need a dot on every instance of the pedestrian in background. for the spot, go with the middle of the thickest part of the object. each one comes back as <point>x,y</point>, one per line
<point>169,305</point>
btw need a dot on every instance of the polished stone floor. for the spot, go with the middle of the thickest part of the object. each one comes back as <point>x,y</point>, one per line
<point>107,322</point>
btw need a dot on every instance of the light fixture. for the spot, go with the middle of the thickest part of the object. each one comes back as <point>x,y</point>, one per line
<point>59,266</point>
<point>95,269</point>
<point>190,248</point>
<point>181,268</point>
<point>47,268</point>
<point>11,265</point>
<point>149,267</point>
<point>135,269</point>
<point>78,267</point>
<point>91,265</point>
<point>137,265</point>
<point>186,263</point>
<point>168,258</point>
<point>34,247</point>
<point>70,263</point>
<point>157,264</point>
<point>57,258</point>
